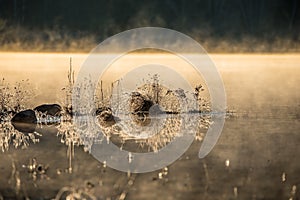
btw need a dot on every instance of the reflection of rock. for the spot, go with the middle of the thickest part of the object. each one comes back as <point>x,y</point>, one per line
<point>49,109</point>
<point>105,116</point>
<point>143,118</point>
<point>24,121</point>
<point>156,110</point>
<point>140,118</point>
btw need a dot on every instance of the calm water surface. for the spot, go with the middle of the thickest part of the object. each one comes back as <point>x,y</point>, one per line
<point>256,156</point>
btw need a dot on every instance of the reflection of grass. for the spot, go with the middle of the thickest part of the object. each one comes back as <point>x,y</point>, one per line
<point>69,136</point>
<point>74,193</point>
<point>9,135</point>
<point>13,98</point>
<point>15,179</point>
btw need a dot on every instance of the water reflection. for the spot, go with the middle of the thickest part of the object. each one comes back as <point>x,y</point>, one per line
<point>255,155</point>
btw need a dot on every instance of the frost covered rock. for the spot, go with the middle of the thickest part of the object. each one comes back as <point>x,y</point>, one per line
<point>139,103</point>
<point>49,109</point>
<point>105,116</point>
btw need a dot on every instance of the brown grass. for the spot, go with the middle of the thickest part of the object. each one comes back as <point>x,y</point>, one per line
<point>54,40</point>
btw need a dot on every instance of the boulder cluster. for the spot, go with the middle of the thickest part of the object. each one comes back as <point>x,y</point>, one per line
<point>26,120</point>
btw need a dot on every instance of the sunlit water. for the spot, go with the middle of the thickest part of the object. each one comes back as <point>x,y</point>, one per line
<point>255,157</point>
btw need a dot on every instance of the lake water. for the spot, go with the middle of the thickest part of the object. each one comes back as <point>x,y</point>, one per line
<point>256,156</point>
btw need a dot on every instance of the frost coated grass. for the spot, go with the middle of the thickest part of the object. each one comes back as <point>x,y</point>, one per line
<point>177,102</point>
<point>86,131</point>
<point>13,99</point>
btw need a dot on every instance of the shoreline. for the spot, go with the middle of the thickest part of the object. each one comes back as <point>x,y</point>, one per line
<point>155,53</point>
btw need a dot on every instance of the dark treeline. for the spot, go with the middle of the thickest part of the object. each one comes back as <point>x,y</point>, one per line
<point>203,18</point>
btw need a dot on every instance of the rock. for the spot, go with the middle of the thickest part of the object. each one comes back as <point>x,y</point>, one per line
<point>103,109</point>
<point>139,108</point>
<point>24,121</point>
<point>139,103</point>
<point>105,116</point>
<point>49,109</point>
<point>25,116</point>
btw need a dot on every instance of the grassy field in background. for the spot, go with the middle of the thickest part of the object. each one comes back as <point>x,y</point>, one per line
<point>20,39</point>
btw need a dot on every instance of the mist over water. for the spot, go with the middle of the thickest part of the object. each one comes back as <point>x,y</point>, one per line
<point>249,79</point>
<point>255,155</point>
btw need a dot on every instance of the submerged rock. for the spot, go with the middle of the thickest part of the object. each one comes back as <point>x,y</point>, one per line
<point>24,121</point>
<point>49,109</point>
